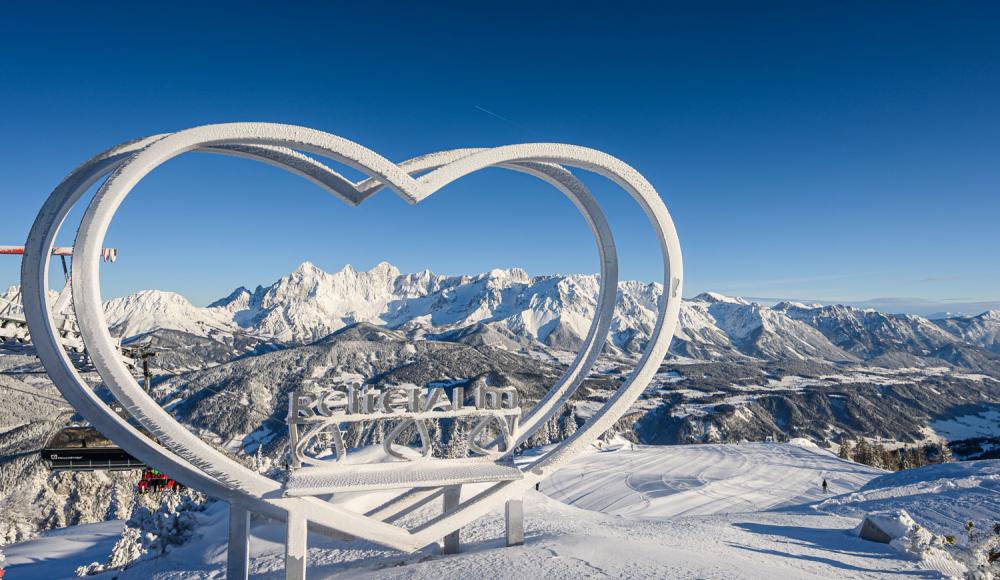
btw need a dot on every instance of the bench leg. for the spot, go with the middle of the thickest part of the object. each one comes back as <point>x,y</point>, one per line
<point>296,546</point>
<point>514,513</point>
<point>452,497</point>
<point>238,552</point>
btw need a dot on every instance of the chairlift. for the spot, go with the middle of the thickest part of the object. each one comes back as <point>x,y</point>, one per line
<point>86,449</point>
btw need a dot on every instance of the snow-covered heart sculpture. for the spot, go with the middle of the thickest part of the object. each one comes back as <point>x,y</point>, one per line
<point>195,463</point>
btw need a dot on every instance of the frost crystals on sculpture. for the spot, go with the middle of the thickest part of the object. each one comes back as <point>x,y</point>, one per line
<point>302,151</point>
<point>318,410</point>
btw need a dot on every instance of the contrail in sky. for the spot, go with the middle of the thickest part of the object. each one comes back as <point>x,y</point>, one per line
<point>505,119</point>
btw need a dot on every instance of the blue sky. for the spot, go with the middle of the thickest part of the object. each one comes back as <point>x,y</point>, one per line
<point>828,151</point>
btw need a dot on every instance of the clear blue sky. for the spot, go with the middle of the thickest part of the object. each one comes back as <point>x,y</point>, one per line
<point>824,150</point>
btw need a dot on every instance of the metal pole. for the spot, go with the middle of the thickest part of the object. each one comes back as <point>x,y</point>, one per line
<point>296,546</point>
<point>452,497</point>
<point>238,553</point>
<point>65,267</point>
<point>515,522</point>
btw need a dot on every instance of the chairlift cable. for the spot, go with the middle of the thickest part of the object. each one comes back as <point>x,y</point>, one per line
<point>39,395</point>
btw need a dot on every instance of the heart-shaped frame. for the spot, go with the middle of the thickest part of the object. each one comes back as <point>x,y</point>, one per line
<point>195,463</point>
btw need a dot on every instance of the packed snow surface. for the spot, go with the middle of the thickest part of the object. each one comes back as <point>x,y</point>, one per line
<point>940,497</point>
<point>704,511</point>
<point>58,552</point>
<point>680,480</point>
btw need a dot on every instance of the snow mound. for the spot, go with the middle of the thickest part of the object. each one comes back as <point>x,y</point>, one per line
<point>151,533</point>
<point>803,442</point>
<point>894,524</point>
<point>908,537</point>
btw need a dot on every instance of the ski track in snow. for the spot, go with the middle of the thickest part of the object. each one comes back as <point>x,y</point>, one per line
<point>672,481</point>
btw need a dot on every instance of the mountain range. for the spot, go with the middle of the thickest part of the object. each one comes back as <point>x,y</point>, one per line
<point>512,310</point>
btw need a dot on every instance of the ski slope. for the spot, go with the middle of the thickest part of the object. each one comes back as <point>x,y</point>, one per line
<point>752,511</point>
<point>684,480</point>
<point>941,497</point>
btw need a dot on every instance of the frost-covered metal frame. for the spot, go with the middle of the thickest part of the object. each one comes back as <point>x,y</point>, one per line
<point>195,463</point>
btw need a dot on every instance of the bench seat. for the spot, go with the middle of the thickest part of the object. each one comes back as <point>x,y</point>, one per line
<point>319,480</point>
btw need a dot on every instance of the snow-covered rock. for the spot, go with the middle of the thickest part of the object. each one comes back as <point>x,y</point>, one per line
<point>897,528</point>
<point>885,526</point>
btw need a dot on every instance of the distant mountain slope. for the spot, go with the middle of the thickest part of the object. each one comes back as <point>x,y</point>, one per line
<point>244,402</point>
<point>155,309</point>
<point>982,330</point>
<point>869,334</point>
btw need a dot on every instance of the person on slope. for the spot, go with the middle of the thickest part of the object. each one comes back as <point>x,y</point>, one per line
<point>824,486</point>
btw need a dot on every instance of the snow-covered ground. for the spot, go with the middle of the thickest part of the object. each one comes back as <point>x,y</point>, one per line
<point>940,497</point>
<point>985,423</point>
<point>683,480</point>
<point>703,511</point>
<point>58,552</point>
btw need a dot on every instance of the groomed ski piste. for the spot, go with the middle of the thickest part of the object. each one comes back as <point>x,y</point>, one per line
<point>753,510</point>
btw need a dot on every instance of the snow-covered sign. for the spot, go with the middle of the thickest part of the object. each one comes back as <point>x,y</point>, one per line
<point>197,464</point>
<point>317,411</point>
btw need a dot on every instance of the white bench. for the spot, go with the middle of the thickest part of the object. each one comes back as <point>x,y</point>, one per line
<point>418,474</point>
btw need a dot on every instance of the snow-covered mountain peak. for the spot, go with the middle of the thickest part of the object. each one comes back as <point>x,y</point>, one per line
<point>307,268</point>
<point>154,309</point>
<point>152,299</point>
<point>791,304</point>
<point>990,315</point>
<point>511,308</point>
<point>384,269</point>
<point>715,297</point>
<point>237,300</point>
<point>515,275</point>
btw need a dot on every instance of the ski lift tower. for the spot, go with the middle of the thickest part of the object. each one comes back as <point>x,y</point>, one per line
<point>142,352</point>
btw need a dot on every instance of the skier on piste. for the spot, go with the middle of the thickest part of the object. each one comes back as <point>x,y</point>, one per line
<point>824,486</point>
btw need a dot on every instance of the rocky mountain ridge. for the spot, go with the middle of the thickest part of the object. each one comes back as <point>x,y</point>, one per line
<point>510,309</point>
